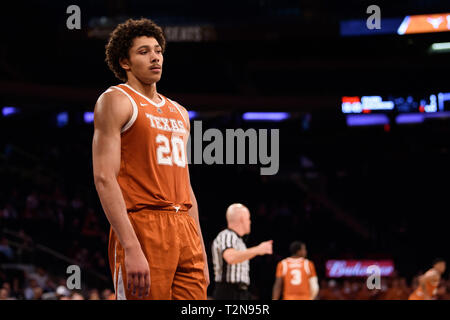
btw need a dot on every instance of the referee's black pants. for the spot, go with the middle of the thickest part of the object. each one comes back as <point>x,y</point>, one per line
<point>231,291</point>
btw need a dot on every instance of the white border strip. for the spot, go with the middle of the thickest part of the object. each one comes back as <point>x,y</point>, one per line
<point>176,106</point>
<point>115,262</point>
<point>163,101</point>
<point>135,111</point>
<point>404,26</point>
<point>284,264</point>
<point>306,265</point>
<point>120,287</point>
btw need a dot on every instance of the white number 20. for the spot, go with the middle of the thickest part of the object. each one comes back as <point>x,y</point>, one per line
<point>163,154</point>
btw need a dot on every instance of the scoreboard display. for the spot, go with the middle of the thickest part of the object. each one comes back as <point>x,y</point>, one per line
<point>381,110</point>
<point>404,25</point>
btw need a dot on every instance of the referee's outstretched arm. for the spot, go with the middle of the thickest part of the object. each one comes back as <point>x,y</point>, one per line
<point>233,256</point>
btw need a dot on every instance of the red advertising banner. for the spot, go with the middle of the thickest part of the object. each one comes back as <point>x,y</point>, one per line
<point>357,268</point>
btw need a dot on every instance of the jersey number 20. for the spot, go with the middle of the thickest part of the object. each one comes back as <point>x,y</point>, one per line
<point>163,154</point>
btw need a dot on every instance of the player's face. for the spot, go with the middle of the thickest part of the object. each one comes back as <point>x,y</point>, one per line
<point>440,266</point>
<point>146,59</point>
<point>303,251</point>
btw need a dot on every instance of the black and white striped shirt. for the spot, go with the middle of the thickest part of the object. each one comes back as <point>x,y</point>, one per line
<point>224,272</point>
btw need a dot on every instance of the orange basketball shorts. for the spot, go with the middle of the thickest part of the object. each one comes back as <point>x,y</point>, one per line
<point>174,253</point>
<point>415,296</point>
<point>297,297</point>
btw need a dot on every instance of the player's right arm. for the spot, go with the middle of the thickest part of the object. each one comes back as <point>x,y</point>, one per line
<point>428,276</point>
<point>277,288</point>
<point>233,256</point>
<point>111,113</point>
<point>278,285</point>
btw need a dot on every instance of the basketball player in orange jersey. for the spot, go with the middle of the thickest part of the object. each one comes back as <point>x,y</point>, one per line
<point>429,282</point>
<point>156,248</point>
<point>296,276</point>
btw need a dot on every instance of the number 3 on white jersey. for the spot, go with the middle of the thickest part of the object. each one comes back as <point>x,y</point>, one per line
<point>296,277</point>
<point>163,154</point>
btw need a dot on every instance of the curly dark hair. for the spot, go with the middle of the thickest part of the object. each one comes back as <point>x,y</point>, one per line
<point>296,246</point>
<point>121,40</point>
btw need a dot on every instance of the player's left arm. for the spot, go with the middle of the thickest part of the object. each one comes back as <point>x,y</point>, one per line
<point>193,211</point>
<point>278,284</point>
<point>313,281</point>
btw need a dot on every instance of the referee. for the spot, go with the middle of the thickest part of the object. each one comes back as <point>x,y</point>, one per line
<point>231,256</point>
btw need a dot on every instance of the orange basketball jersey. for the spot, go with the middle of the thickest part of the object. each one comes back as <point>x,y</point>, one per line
<point>430,287</point>
<point>296,273</point>
<point>153,166</point>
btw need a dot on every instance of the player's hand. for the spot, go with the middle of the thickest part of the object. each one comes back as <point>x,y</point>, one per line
<point>138,272</point>
<point>265,247</point>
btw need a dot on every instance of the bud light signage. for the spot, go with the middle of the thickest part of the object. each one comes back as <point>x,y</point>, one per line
<point>357,268</point>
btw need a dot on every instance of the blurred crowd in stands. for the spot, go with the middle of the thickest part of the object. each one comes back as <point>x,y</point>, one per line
<point>48,222</point>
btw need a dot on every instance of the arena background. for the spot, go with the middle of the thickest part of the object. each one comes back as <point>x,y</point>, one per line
<point>349,192</point>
